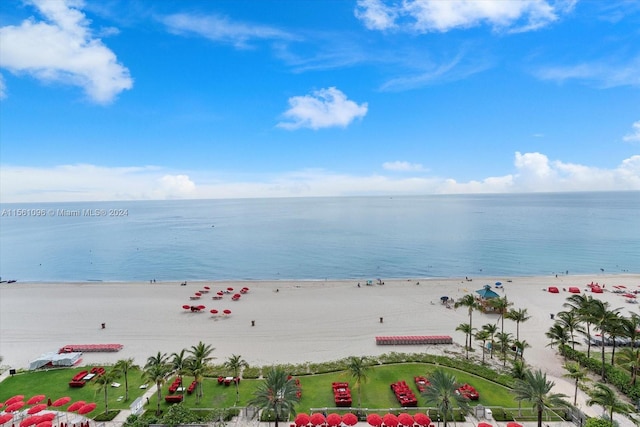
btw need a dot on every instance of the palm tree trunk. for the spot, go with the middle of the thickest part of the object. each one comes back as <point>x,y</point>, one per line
<point>588,340</point>
<point>106,400</point>
<point>613,351</point>
<point>126,387</point>
<point>602,336</point>
<point>159,397</point>
<point>539,417</point>
<point>575,395</point>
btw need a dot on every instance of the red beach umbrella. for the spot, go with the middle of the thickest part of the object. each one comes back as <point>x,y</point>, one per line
<point>236,296</point>
<point>45,423</point>
<point>30,421</point>
<point>422,419</point>
<point>36,399</point>
<point>4,418</point>
<point>14,399</point>
<point>207,288</point>
<point>350,419</point>
<point>201,307</point>
<point>405,419</point>
<point>49,416</point>
<point>213,311</point>
<point>229,312</point>
<point>37,408</point>
<point>186,307</point>
<point>198,294</point>
<point>317,419</point>
<point>220,293</point>
<point>513,424</point>
<point>484,425</point>
<point>390,420</point>
<point>230,289</point>
<point>334,419</point>
<point>14,406</point>
<point>302,420</point>
<point>87,408</point>
<point>76,405</point>
<point>374,420</point>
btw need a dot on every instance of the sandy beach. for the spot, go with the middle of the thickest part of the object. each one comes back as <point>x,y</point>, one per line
<point>294,321</point>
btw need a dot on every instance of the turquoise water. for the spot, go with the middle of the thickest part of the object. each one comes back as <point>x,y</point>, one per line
<point>318,238</point>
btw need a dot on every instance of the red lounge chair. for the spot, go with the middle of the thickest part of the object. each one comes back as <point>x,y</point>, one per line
<point>174,398</point>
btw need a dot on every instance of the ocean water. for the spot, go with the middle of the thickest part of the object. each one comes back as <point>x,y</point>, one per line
<point>322,238</point>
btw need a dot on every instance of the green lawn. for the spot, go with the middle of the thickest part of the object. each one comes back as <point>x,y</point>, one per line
<point>316,389</point>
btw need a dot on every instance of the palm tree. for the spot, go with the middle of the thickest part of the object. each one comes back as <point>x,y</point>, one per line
<point>470,302</point>
<point>558,335</point>
<point>156,370</point>
<point>570,320</point>
<point>535,388</point>
<point>631,326</point>
<point>358,368</point>
<point>519,316</point>
<point>123,366</point>
<point>520,346</point>
<point>582,305</point>
<point>577,373</point>
<point>504,339</point>
<point>500,305</point>
<point>235,363</point>
<point>201,356</point>
<point>603,320</point>
<point>442,393</point>
<point>518,372</point>
<point>466,328</point>
<point>616,329</point>
<point>491,330</point>
<point>629,358</point>
<point>277,393</point>
<point>604,396</point>
<point>103,383</point>
<point>179,362</point>
<point>483,335</point>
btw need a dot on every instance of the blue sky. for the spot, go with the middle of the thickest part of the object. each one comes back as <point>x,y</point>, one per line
<point>124,100</point>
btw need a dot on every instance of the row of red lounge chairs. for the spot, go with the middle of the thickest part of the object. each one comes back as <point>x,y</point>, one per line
<point>414,340</point>
<point>421,383</point>
<point>469,392</point>
<point>404,394</point>
<point>81,378</point>
<point>228,380</point>
<point>341,394</point>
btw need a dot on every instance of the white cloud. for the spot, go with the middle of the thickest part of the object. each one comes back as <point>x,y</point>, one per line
<point>437,15</point>
<point>400,166</point>
<point>63,50</point>
<point>221,29</point>
<point>3,88</point>
<point>533,172</point>
<point>324,108</point>
<point>634,136</point>
<point>612,72</point>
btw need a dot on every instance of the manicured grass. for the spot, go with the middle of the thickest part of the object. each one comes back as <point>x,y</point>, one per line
<point>316,389</point>
<point>54,383</point>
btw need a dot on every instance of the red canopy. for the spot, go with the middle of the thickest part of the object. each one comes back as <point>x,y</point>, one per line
<point>405,419</point>
<point>229,312</point>
<point>374,419</point>
<point>14,406</point>
<point>213,311</point>
<point>49,416</point>
<point>206,287</point>
<point>45,423</point>
<point>334,419</point>
<point>390,420</point>
<point>37,408</point>
<point>513,424</point>
<point>62,401</point>
<point>186,307</point>
<point>5,418</point>
<point>230,289</point>
<point>87,408</point>
<point>76,405</point>
<point>302,419</point>
<point>349,419</point>
<point>198,294</point>
<point>36,399</point>
<point>484,425</point>
<point>29,421</point>
<point>422,419</point>
<point>317,419</point>
<point>14,399</point>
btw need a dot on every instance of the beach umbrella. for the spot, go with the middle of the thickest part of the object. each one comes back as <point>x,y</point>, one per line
<point>45,423</point>
<point>220,293</point>
<point>186,307</point>
<point>405,419</point>
<point>484,425</point>
<point>198,294</point>
<point>30,421</point>
<point>36,399</point>
<point>230,289</point>
<point>37,408</point>
<point>14,399</point>
<point>201,307</point>
<point>422,419</point>
<point>87,408</point>
<point>349,419</point>
<point>5,418</point>
<point>76,405</point>
<point>207,288</point>
<point>390,420</point>
<point>513,424</point>
<point>334,419</point>
<point>49,416</point>
<point>374,420</point>
<point>226,311</point>
<point>213,311</point>
<point>14,406</point>
<point>236,296</point>
<point>302,419</point>
<point>317,419</point>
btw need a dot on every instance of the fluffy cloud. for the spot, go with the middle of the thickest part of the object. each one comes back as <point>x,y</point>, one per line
<point>221,29</point>
<point>324,108</point>
<point>634,136</point>
<point>437,15</point>
<point>400,166</point>
<point>63,50</point>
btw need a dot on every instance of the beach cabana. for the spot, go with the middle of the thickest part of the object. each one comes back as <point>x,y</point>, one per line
<point>574,290</point>
<point>553,290</point>
<point>487,293</point>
